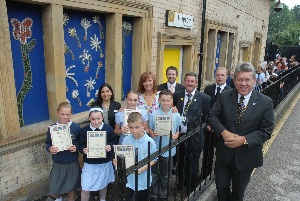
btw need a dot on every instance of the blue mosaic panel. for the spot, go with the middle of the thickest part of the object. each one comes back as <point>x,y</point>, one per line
<point>127,30</point>
<point>26,35</point>
<point>84,34</point>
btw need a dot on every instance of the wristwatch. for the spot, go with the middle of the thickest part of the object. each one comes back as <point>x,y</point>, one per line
<point>245,142</point>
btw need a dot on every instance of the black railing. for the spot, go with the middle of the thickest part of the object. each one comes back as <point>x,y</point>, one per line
<point>279,88</point>
<point>204,176</point>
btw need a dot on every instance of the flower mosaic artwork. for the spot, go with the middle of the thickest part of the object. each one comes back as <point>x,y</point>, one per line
<point>89,52</point>
<point>89,86</point>
<point>73,34</point>
<point>22,32</point>
<point>85,24</point>
<point>86,57</point>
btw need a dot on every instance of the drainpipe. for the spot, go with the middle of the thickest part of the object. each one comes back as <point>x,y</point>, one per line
<point>201,44</point>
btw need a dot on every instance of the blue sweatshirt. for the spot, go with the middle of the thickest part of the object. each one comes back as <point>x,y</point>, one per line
<point>64,157</point>
<point>110,140</point>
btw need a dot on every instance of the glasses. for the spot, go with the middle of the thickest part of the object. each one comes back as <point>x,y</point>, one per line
<point>243,80</point>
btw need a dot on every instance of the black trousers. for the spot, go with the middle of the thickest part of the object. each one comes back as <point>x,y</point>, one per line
<point>227,174</point>
<point>130,195</point>
<point>208,155</point>
<point>188,163</point>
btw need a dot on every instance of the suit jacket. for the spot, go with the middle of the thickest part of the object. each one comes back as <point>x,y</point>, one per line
<point>112,110</point>
<point>163,86</point>
<point>210,90</point>
<point>257,126</point>
<point>198,109</point>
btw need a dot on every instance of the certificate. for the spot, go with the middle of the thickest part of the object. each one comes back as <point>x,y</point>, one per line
<point>127,151</point>
<point>127,112</point>
<point>96,143</point>
<point>163,125</point>
<point>60,136</point>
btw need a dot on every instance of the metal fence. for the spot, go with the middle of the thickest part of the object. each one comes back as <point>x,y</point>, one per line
<point>204,176</point>
<point>281,87</point>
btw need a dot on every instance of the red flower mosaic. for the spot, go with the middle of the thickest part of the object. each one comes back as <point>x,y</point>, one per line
<point>21,31</point>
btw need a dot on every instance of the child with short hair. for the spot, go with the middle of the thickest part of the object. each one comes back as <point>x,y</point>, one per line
<point>166,102</point>
<point>132,100</point>
<point>65,168</point>
<point>138,139</point>
<point>97,173</point>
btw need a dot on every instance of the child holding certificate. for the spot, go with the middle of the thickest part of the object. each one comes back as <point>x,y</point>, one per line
<point>65,168</point>
<point>161,122</point>
<point>138,139</point>
<point>96,142</point>
<point>121,128</point>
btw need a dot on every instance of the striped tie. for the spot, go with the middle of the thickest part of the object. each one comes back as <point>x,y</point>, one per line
<point>241,109</point>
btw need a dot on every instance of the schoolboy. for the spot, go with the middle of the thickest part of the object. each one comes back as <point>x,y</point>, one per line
<point>166,102</point>
<point>139,139</point>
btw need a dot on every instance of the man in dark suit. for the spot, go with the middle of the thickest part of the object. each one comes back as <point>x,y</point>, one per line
<point>242,120</point>
<point>213,91</point>
<point>171,85</point>
<point>193,106</point>
<point>216,89</point>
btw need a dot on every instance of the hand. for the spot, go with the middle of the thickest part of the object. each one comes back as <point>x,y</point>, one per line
<point>53,149</point>
<point>226,134</point>
<point>72,148</point>
<point>235,141</point>
<point>208,128</point>
<point>175,137</point>
<point>115,162</point>
<point>85,150</point>
<point>154,134</point>
<point>174,109</point>
<point>108,148</point>
<point>142,169</point>
<point>125,129</point>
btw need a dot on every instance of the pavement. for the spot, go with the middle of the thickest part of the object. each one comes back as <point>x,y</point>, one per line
<point>279,178</point>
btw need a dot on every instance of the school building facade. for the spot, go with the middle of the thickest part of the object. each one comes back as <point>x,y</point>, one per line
<point>57,50</point>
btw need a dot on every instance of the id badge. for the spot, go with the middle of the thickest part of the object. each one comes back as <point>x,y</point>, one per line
<point>183,119</point>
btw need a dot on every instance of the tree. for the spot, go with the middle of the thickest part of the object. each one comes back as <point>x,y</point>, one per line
<point>284,26</point>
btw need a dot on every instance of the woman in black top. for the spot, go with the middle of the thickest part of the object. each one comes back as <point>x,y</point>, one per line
<point>107,102</point>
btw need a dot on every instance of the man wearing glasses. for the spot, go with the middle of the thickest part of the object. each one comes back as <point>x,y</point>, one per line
<point>242,120</point>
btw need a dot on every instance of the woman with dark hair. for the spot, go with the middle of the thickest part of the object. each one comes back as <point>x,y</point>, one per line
<point>107,102</point>
<point>148,97</point>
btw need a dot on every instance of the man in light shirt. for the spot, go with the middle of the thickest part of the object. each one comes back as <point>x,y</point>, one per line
<point>171,84</point>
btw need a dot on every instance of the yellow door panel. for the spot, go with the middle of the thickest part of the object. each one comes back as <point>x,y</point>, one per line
<point>171,58</point>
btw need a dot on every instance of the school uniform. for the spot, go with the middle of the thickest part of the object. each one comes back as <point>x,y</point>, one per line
<point>65,170</point>
<point>119,117</point>
<point>97,173</point>
<point>164,160</point>
<point>142,146</point>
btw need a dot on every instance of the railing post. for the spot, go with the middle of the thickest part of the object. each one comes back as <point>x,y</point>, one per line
<point>122,178</point>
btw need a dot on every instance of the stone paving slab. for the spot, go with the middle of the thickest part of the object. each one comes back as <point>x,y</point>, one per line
<point>279,178</point>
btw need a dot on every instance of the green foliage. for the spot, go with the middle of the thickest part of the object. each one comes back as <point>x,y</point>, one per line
<point>284,26</point>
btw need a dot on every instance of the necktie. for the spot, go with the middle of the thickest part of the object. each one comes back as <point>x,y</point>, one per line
<point>97,129</point>
<point>241,109</point>
<point>172,89</point>
<point>218,92</point>
<point>186,107</point>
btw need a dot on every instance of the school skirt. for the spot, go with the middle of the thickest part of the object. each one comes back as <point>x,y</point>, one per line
<point>95,177</point>
<point>63,178</point>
